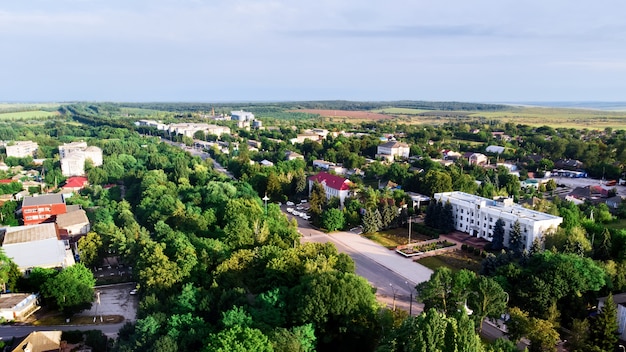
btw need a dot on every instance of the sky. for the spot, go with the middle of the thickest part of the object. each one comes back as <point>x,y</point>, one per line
<point>291,50</point>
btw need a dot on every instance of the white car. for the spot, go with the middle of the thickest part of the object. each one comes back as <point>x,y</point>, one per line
<point>290,203</point>
<point>290,210</point>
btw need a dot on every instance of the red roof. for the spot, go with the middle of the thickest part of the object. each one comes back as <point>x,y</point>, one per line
<point>332,181</point>
<point>76,182</point>
<point>6,180</point>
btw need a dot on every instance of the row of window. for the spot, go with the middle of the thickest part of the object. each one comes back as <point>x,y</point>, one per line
<point>37,217</point>
<point>40,210</point>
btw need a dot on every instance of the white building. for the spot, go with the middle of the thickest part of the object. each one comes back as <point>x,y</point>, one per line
<point>392,150</point>
<point>22,149</point>
<point>67,148</point>
<point>151,123</point>
<point>335,186</point>
<point>190,129</point>
<point>73,156</point>
<point>496,149</point>
<point>36,246</point>
<point>240,115</point>
<point>477,216</point>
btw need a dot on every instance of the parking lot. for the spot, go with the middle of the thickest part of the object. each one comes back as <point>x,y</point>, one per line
<point>114,300</point>
<point>300,210</point>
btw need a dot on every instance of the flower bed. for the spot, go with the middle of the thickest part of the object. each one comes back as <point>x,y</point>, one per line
<point>417,249</point>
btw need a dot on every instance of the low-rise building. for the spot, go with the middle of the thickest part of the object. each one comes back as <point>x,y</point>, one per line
<point>322,164</point>
<point>289,155</point>
<point>17,306</point>
<point>392,150</point>
<point>476,158</point>
<point>335,186</point>
<point>36,246</point>
<point>240,115</point>
<point>73,156</point>
<point>42,208</point>
<point>73,224</point>
<point>477,216</point>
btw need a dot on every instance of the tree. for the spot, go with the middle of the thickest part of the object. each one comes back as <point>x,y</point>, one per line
<point>72,289</point>
<point>497,243</point>
<point>437,182</point>
<point>488,299</point>
<point>317,202</point>
<point>542,335</point>
<point>333,219</point>
<point>604,328</point>
<point>371,222</point>
<point>515,239</point>
<point>91,249</point>
<point>445,291</point>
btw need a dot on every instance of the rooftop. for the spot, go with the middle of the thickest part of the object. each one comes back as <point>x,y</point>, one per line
<point>498,206</point>
<point>43,199</point>
<point>30,233</point>
<point>332,181</point>
<point>72,218</point>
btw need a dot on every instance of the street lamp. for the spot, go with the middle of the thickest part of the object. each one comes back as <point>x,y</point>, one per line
<point>394,290</point>
<point>265,199</point>
<point>410,298</point>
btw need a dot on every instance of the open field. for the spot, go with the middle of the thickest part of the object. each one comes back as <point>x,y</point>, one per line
<point>15,107</point>
<point>35,114</point>
<point>353,116</point>
<point>400,111</point>
<point>555,117</point>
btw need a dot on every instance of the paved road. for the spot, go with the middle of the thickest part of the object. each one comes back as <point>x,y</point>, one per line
<point>7,332</point>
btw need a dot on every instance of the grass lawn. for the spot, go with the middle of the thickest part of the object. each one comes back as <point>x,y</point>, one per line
<point>455,260</point>
<point>392,238</point>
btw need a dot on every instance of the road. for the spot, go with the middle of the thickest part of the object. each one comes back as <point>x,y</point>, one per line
<point>7,332</point>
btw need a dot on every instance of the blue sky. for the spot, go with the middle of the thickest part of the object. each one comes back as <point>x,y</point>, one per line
<point>259,50</point>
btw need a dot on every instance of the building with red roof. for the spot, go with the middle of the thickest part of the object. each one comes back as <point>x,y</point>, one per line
<point>75,183</point>
<point>335,186</point>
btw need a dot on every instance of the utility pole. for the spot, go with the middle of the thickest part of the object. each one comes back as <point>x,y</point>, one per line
<point>410,298</point>
<point>409,232</point>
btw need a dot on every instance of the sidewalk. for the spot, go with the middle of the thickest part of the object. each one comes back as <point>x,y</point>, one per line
<point>405,267</point>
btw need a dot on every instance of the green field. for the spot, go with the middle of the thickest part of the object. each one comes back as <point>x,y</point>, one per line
<point>25,115</point>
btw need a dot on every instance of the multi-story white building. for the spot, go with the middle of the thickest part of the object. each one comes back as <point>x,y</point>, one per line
<point>73,156</point>
<point>335,186</point>
<point>477,216</point>
<point>68,148</point>
<point>151,123</point>
<point>22,149</point>
<point>241,115</point>
<point>392,150</point>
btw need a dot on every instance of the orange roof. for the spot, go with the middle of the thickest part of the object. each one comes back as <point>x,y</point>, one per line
<point>76,182</point>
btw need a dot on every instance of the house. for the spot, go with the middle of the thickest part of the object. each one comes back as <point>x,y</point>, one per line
<point>190,129</point>
<point>500,136</point>
<point>73,224</point>
<point>289,155</point>
<point>42,208</point>
<point>266,162</point>
<point>568,164</point>
<point>620,301</point>
<point>36,246</point>
<point>418,199</point>
<point>75,183</point>
<point>392,150</point>
<point>300,138</point>
<point>22,149</point>
<point>477,216</point>
<point>42,341</point>
<point>335,186</point>
<point>322,164</point>
<point>476,158</point>
<point>450,154</point>
<point>17,306</point>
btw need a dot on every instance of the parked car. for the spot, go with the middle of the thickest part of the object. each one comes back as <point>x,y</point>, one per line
<point>290,203</point>
<point>290,210</point>
<point>133,291</point>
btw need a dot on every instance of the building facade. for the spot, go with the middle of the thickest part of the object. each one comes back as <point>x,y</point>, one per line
<point>22,149</point>
<point>477,216</point>
<point>43,208</point>
<point>392,150</point>
<point>335,186</point>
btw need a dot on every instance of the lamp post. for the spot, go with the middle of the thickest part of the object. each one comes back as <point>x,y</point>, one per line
<point>394,290</point>
<point>265,199</point>
<point>410,298</point>
<point>409,244</point>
